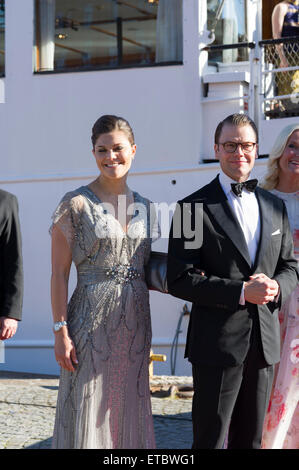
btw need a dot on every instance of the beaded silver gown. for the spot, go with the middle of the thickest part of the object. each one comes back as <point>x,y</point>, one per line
<point>105,403</point>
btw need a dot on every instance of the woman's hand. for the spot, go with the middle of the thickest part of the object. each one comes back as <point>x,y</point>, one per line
<point>65,352</point>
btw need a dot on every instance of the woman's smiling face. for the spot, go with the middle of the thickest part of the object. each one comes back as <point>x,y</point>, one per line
<point>289,161</point>
<point>114,154</point>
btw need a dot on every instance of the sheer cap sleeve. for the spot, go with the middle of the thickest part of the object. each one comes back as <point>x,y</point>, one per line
<point>67,216</point>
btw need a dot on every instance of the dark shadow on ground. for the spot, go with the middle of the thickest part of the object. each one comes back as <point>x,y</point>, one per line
<point>171,431</point>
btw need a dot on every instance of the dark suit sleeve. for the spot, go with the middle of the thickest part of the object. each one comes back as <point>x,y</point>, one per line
<point>186,276</point>
<point>11,276</point>
<point>286,273</point>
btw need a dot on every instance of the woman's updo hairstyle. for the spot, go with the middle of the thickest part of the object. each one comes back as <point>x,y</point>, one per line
<point>109,123</point>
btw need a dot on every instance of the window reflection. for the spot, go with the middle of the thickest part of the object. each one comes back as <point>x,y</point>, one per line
<point>80,34</point>
<point>230,28</point>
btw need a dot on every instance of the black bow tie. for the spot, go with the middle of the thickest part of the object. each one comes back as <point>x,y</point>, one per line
<point>250,185</point>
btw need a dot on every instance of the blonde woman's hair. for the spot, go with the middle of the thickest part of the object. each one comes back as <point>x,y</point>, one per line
<point>272,175</point>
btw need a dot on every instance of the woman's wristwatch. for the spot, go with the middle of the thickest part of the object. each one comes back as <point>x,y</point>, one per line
<point>58,325</point>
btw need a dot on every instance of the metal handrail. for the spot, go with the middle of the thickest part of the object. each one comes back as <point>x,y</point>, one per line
<point>279,41</point>
<point>221,47</point>
<point>283,69</point>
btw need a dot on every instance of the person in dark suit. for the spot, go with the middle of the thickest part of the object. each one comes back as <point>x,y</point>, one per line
<point>236,278</point>
<point>11,266</point>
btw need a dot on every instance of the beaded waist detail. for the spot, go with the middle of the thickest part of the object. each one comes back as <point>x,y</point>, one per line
<point>120,273</point>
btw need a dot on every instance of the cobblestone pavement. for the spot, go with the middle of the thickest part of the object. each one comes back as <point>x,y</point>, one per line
<point>27,411</point>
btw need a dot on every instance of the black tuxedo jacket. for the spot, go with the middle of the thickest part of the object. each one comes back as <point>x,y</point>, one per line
<point>11,269</point>
<point>211,277</point>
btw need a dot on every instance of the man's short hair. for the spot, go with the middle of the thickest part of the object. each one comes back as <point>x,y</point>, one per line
<point>236,120</point>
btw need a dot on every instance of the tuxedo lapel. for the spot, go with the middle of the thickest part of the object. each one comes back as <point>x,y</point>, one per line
<point>219,207</point>
<point>266,218</point>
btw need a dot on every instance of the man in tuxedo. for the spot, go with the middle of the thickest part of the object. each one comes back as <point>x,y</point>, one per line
<point>11,269</point>
<point>237,280</point>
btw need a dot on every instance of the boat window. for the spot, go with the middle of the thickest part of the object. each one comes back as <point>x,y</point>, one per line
<point>75,35</point>
<point>2,38</point>
<point>227,20</point>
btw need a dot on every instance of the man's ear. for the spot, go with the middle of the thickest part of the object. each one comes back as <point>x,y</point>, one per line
<point>216,150</point>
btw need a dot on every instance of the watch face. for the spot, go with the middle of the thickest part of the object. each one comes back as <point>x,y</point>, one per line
<point>57,327</point>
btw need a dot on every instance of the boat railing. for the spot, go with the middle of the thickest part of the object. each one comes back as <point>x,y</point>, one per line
<point>279,77</point>
<point>273,87</point>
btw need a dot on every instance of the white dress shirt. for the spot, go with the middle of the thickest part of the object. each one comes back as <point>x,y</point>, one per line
<point>246,210</point>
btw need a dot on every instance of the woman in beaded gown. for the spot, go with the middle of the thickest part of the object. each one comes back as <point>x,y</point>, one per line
<point>281,427</point>
<point>104,346</point>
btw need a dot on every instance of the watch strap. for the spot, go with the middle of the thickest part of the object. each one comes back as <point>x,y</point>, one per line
<point>58,325</point>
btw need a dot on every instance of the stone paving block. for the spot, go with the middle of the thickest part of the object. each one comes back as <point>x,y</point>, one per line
<point>27,413</point>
